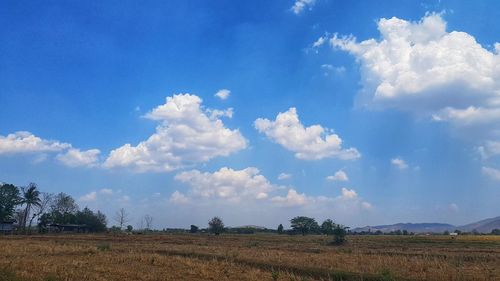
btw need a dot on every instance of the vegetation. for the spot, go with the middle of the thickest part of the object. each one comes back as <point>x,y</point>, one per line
<point>27,203</point>
<point>216,226</point>
<point>250,257</point>
<point>304,225</point>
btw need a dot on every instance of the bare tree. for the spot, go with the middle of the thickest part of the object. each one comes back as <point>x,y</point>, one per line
<point>148,220</point>
<point>121,217</point>
<point>45,202</point>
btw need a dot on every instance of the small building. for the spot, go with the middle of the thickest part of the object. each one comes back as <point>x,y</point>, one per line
<point>7,226</point>
<point>453,234</point>
<point>68,228</point>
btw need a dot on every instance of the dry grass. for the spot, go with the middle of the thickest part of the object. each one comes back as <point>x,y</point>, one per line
<point>249,257</point>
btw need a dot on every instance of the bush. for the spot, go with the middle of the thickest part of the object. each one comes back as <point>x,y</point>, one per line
<point>104,247</point>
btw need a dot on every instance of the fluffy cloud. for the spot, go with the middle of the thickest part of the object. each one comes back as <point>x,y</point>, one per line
<point>300,5</point>
<point>421,68</point>
<point>348,199</point>
<point>492,173</point>
<point>228,184</point>
<point>187,134</point>
<point>179,198</point>
<point>75,157</point>
<point>93,195</point>
<point>309,143</point>
<point>223,94</point>
<point>399,163</point>
<point>489,149</point>
<point>292,198</point>
<point>26,142</point>
<point>284,176</point>
<point>338,176</point>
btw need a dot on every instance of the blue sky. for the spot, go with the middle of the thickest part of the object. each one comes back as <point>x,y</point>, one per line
<point>371,112</point>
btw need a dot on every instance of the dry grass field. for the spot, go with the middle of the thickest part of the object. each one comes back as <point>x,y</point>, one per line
<point>248,257</point>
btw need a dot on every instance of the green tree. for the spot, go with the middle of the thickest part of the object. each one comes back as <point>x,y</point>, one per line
<point>216,226</point>
<point>64,203</point>
<point>31,197</point>
<point>9,199</point>
<point>495,231</point>
<point>194,229</point>
<point>304,225</point>
<point>327,227</point>
<point>130,228</point>
<point>339,234</point>
<point>280,229</point>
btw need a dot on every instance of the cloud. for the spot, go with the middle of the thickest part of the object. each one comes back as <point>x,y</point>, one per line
<point>293,198</point>
<point>300,5</point>
<point>338,176</point>
<point>399,163</point>
<point>106,191</point>
<point>491,173</point>
<point>90,197</point>
<point>223,94</point>
<point>489,149</point>
<point>178,198</point>
<point>75,157</point>
<point>26,142</point>
<point>453,208</point>
<point>187,134</point>
<point>421,68</point>
<point>284,176</point>
<point>310,143</point>
<point>227,184</point>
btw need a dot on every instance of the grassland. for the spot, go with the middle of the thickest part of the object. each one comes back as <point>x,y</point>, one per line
<point>248,257</point>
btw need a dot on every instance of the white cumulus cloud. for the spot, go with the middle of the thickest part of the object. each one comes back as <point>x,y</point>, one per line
<point>338,176</point>
<point>26,142</point>
<point>75,157</point>
<point>284,176</point>
<point>179,198</point>
<point>308,143</point>
<point>223,94</point>
<point>491,173</point>
<point>228,184</point>
<point>187,134</point>
<point>300,5</point>
<point>422,68</point>
<point>399,163</point>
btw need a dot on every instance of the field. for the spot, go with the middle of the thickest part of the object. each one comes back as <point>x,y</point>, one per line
<point>248,257</point>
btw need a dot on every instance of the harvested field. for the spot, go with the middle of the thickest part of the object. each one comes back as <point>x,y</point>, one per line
<point>248,257</point>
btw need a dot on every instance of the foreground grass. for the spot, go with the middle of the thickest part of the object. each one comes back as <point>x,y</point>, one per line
<point>248,257</point>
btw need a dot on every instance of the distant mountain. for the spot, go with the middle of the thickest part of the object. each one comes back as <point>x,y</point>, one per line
<point>251,227</point>
<point>484,226</point>
<point>410,227</point>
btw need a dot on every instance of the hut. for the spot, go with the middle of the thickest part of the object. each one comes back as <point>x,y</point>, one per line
<point>7,226</point>
<point>68,228</point>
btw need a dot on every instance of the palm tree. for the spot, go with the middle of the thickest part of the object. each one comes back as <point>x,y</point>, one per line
<point>31,197</point>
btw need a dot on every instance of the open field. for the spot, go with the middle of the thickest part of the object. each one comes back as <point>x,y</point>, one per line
<point>248,257</point>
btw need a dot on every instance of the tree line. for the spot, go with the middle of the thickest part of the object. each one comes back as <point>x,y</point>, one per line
<point>28,205</point>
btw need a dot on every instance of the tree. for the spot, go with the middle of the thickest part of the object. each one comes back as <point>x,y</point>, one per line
<point>9,199</point>
<point>31,197</point>
<point>64,203</point>
<point>495,231</point>
<point>121,217</point>
<point>216,226</point>
<point>304,225</point>
<point>339,234</point>
<point>45,202</point>
<point>327,227</point>
<point>148,220</point>
<point>280,229</point>
<point>194,229</point>
<point>130,228</point>
<point>95,222</point>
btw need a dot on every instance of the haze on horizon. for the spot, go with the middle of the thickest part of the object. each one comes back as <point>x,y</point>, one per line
<point>367,113</point>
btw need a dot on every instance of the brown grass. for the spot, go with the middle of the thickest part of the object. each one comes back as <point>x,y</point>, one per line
<point>248,257</point>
